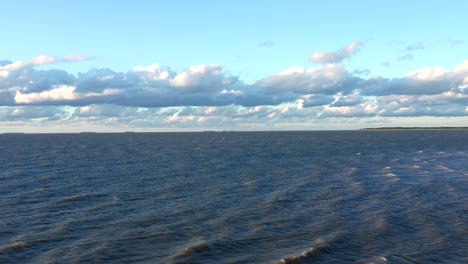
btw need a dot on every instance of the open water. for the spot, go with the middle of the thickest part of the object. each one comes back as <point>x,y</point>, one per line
<point>235,197</point>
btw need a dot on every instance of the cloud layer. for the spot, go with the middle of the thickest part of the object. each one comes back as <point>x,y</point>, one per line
<point>206,94</point>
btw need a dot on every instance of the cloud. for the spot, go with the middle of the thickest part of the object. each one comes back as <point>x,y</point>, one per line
<point>323,80</point>
<point>407,85</point>
<point>202,78</point>
<point>8,66</point>
<point>266,43</point>
<point>207,94</point>
<point>405,57</point>
<point>155,72</point>
<point>386,64</point>
<point>410,48</point>
<point>6,69</point>
<point>4,62</point>
<point>362,72</point>
<point>325,57</point>
<point>107,110</point>
<point>445,98</point>
<point>415,46</point>
<point>61,94</point>
<point>373,108</point>
<point>31,112</point>
<point>311,100</point>
<point>58,94</point>
<point>456,42</point>
<point>347,100</point>
<point>76,58</point>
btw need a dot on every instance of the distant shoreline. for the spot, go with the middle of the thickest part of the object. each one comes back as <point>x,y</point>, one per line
<point>413,128</point>
<point>235,131</point>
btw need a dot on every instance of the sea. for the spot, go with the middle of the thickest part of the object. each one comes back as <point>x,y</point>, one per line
<point>396,196</point>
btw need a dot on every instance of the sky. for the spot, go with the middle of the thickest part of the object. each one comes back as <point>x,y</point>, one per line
<point>111,66</point>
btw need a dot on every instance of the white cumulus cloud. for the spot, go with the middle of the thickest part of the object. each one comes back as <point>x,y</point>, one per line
<point>61,93</point>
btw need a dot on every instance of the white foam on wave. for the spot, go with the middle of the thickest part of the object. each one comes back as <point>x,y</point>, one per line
<point>198,247</point>
<point>444,168</point>
<point>321,245</point>
<point>351,171</point>
<point>372,260</point>
<point>353,182</point>
<point>392,176</point>
<point>17,244</point>
<point>307,253</point>
<point>73,198</point>
<point>12,247</point>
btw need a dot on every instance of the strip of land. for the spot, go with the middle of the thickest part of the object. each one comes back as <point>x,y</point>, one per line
<point>411,128</point>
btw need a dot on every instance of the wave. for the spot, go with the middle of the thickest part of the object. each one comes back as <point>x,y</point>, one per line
<point>12,247</point>
<point>73,198</point>
<point>373,260</point>
<point>308,253</point>
<point>193,249</point>
<point>321,245</point>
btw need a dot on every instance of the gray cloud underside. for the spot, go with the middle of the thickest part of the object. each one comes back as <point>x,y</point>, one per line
<point>327,91</point>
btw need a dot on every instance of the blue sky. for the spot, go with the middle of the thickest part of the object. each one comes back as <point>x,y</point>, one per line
<point>248,45</point>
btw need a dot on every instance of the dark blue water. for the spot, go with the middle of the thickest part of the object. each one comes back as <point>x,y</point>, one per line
<point>235,197</point>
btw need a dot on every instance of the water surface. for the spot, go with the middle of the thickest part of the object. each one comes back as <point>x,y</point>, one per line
<point>235,197</point>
